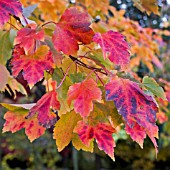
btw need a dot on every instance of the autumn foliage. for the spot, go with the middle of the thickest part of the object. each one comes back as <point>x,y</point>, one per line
<point>88,69</point>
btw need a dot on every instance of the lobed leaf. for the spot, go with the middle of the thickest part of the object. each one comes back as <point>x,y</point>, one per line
<point>46,108</point>
<point>101,132</point>
<point>27,38</point>
<point>34,65</point>
<point>72,29</point>
<point>83,94</point>
<point>135,107</point>
<point>15,121</point>
<point>114,47</point>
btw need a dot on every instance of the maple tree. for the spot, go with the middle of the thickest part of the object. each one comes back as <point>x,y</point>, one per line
<point>85,66</point>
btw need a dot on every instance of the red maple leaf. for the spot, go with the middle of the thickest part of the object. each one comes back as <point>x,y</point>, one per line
<point>102,132</point>
<point>83,94</point>
<point>16,121</point>
<point>45,107</point>
<point>28,38</point>
<point>114,47</point>
<point>33,66</point>
<point>9,7</point>
<point>72,28</point>
<point>138,109</point>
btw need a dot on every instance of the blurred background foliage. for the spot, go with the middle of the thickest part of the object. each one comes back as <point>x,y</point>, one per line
<point>16,152</point>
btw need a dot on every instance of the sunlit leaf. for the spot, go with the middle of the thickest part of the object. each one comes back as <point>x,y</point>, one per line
<point>34,65</point>
<point>114,47</point>
<point>83,94</point>
<point>72,29</point>
<point>15,121</point>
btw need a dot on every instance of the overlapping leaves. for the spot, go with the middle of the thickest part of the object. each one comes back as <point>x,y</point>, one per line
<point>91,116</point>
<point>15,121</point>
<point>101,132</point>
<point>114,47</point>
<point>46,108</point>
<point>72,29</point>
<point>138,109</point>
<point>7,8</point>
<point>33,65</point>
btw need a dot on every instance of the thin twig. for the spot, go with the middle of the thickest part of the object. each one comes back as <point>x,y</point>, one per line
<point>98,63</point>
<point>87,66</point>
<point>50,22</point>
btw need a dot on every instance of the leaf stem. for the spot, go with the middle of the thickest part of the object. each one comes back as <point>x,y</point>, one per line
<point>25,19</point>
<point>99,78</point>
<point>66,73</point>
<point>91,72</point>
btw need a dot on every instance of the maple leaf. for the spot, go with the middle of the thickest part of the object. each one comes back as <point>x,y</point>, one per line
<point>134,105</point>
<point>102,132</point>
<point>45,107</point>
<point>28,37</point>
<point>63,129</point>
<point>83,94</point>
<point>34,65</point>
<point>9,7</point>
<point>72,29</point>
<point>114,47</point>
<point>15,121</point>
